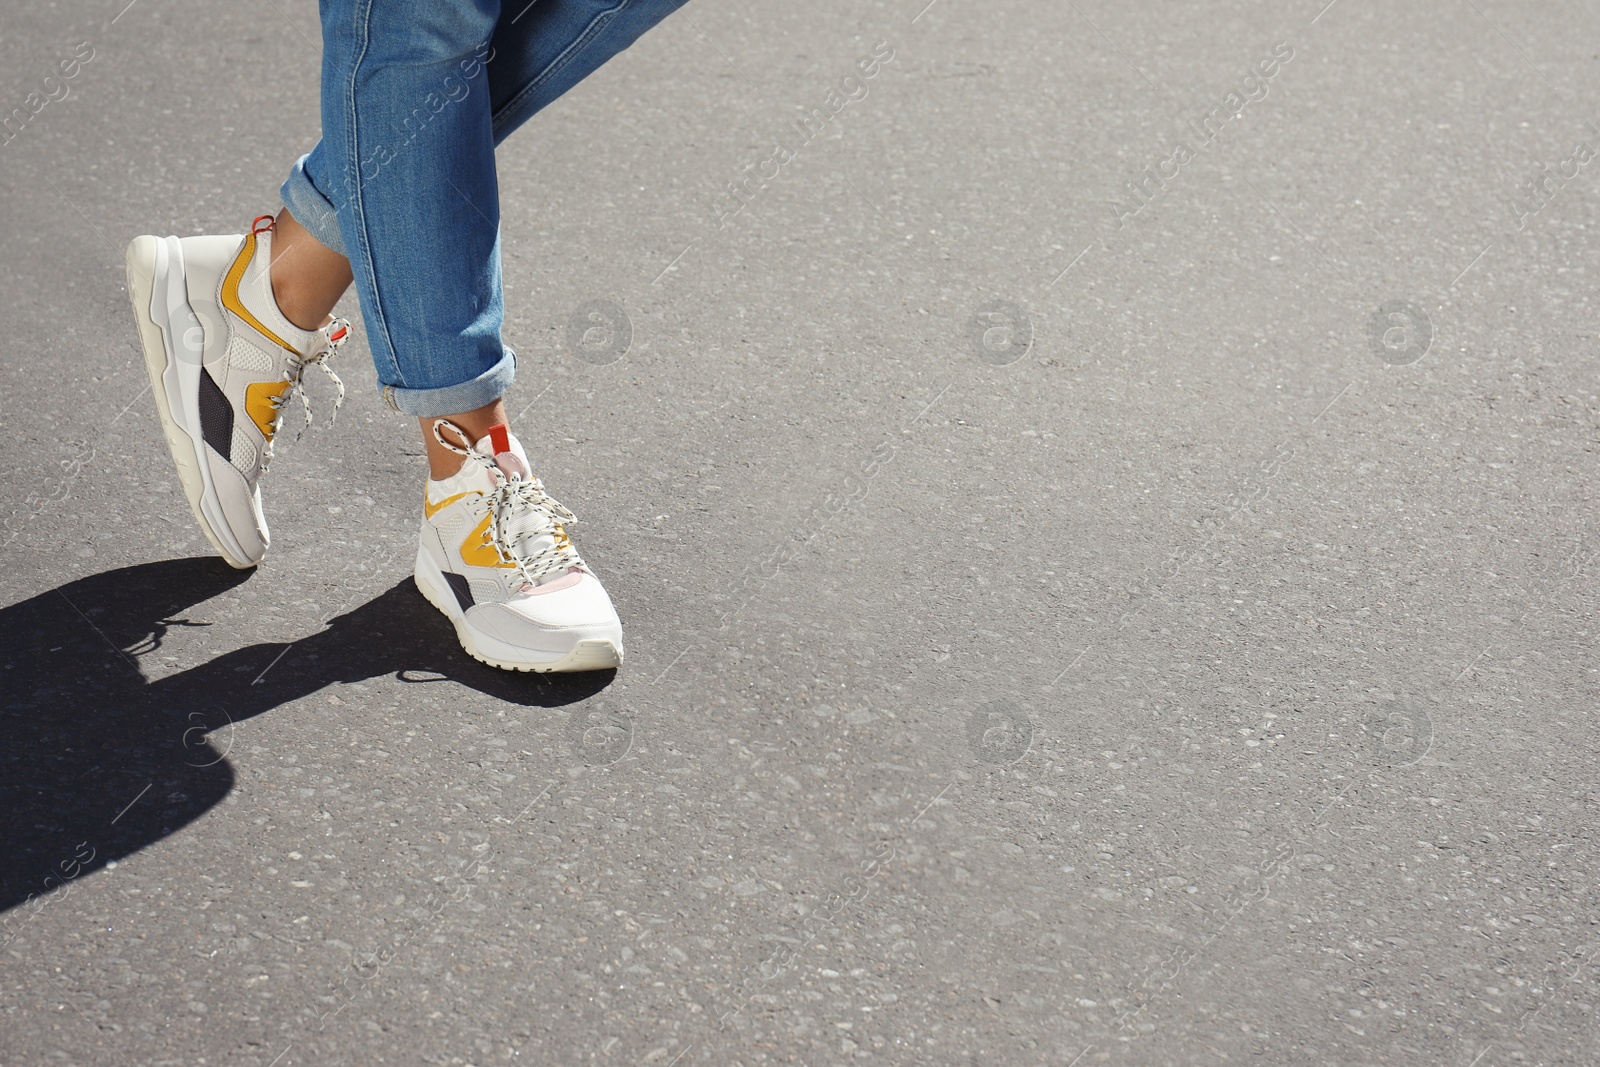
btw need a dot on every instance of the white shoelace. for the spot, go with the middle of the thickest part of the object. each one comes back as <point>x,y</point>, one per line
<point>521,512</point>
<point>335,334</point>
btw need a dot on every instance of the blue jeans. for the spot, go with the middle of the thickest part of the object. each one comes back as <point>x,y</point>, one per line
<point>416,94</point>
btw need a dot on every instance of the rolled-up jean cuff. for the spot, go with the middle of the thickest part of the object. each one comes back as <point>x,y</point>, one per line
<point>310,208</point>
<point>486,388</point>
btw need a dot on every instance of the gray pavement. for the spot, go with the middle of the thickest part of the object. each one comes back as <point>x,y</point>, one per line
<point>1108,564</point>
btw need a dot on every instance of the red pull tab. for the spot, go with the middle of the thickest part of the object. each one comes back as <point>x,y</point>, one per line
<point>500,438</point>
<point>256,227</point>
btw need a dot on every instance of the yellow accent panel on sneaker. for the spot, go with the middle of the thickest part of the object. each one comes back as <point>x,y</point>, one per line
<point>430,509</point>
<point>230,292</point>
<point>478,551</point>
<point>258,404</point>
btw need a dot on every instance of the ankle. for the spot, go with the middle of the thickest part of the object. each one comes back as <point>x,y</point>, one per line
<point>445,463</point>
<point>307,278</point>
<point>448,467</point>
<point>304,314</point>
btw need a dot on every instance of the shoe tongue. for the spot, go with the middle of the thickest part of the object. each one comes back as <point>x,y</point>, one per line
<point>531,530</point>
<point>506,451</point>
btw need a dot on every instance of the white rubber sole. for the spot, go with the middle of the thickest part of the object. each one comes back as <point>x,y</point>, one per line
<point>159,294</point>
<point>592,655</point>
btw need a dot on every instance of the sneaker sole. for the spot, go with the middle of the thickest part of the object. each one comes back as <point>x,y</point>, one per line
<point>159,294</point>
<point>596,654</point>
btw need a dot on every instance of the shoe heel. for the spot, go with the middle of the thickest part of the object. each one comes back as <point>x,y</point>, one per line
<point>149,271</point>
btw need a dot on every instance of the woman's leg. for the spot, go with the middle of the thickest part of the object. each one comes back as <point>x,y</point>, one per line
<point>403,185</point>
<point>418,163</point>
<point>544,48</point>
<point>307,279</point>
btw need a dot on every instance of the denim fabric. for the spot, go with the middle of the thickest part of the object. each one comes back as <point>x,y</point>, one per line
<point>416,94</point>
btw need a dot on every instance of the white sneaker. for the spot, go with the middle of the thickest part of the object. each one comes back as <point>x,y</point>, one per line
<point>223,362</point>
<point>495,557</point>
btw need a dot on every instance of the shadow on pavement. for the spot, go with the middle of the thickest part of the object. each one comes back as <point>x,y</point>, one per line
<point>96,762</point>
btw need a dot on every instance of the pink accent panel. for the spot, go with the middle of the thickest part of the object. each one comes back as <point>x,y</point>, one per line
<point>511,464</point>
<point>566,581</point>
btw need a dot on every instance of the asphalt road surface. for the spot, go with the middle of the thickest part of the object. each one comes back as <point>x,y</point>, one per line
<point>1105,528</point>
